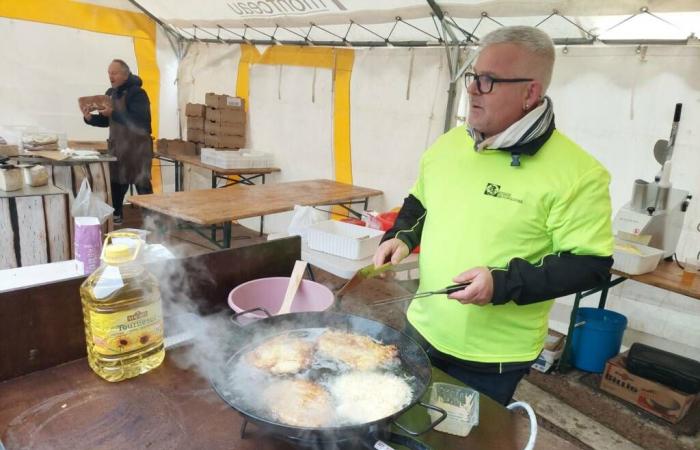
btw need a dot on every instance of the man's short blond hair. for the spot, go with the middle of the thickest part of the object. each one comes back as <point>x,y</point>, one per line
<point>533,39</point>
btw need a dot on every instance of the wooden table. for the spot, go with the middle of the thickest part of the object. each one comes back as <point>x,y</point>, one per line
<point>667,275</point>
<point>214,207</point>
<point>51,399</point>
<point>232,176</point>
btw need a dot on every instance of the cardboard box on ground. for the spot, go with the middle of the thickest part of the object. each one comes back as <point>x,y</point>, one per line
<point>658,399</point>
<point>553,348</point>
<point>175,147</point>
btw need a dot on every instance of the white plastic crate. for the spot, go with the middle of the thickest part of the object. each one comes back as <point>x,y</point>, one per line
<point>343,239</point>
<point>236,159</point>
<point>635,259</point>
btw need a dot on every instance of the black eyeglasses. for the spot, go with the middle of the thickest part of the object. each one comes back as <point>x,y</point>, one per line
<point>484,83</point>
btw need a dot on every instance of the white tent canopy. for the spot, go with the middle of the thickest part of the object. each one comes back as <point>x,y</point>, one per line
<point>416,22</point>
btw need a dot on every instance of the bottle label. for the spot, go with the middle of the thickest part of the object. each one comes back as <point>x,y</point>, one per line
<point>126,331</point>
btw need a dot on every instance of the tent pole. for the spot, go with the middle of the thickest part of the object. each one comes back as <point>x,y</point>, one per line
<point>453,51</point>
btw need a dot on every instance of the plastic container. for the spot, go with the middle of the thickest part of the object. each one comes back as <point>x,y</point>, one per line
<point>596,338</point>
<point>635,259</point>
<point>35,175</point>
<point>236,159</point>
<point>343,239</point>
<point>10,178</point>
<point>268,293</point>
<point>123,315</point>
<point>461,404</point>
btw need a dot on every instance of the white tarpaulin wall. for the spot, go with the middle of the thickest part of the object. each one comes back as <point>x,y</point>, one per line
<point>614,100</point>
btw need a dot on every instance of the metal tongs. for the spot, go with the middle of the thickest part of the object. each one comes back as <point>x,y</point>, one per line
<point>446,291</point>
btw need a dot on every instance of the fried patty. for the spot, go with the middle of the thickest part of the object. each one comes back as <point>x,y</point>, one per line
<point>282,355</point>
<point>358,352</point>
<point>299,403</point>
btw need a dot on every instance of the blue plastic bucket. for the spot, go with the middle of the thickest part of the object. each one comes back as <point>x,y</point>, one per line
<point>596,338</point>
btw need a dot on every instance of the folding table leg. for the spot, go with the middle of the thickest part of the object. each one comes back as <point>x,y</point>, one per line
<point>227,234</point>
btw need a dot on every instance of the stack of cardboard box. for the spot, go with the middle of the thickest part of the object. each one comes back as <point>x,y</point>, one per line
<point>195,122</point>
<point>225,122</point>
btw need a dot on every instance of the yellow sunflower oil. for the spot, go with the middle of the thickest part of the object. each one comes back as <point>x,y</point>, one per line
<point>123,315</point>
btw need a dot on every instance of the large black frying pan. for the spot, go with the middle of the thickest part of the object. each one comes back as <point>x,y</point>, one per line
<point>413,359</point>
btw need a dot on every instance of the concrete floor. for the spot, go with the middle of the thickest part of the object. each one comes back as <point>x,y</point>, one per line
<point>563,403</point>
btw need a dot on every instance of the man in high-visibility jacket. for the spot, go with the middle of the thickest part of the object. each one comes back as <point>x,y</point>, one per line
<point>509,204</point>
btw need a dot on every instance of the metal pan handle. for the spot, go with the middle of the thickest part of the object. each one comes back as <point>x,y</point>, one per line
<point>234,317</point>
<point>443,415</point>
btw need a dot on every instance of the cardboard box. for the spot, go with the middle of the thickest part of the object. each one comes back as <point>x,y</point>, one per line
<point>223,101</point>
<point>174,147</point>
<point>195,123</point>
<point>656,398</point>
<point>216,141</point>
<point>95,102</point>
<point>224,128</point>
<point>195,110</point>
<point>553,348</point>
<point>226,115</point>
<point>195,135</point>
<point>9,150</point>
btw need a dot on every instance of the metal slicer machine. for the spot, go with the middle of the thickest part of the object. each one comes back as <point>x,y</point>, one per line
<point>656,210</point>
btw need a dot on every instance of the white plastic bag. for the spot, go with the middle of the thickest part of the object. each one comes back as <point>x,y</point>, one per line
<point>304,217</point>
<point>87,204</point>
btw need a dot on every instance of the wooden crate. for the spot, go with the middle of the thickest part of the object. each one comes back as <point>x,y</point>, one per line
<point>36,226</point>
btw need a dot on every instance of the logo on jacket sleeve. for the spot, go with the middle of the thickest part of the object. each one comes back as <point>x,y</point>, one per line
<point>494,190</point>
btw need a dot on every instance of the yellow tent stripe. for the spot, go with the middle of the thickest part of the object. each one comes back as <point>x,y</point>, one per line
<point>105,20</point>
<point>340,60</point>
<point>84,16</point>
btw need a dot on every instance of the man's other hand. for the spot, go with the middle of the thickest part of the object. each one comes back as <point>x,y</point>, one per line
<point>479,292</point>
<point>393,250</point>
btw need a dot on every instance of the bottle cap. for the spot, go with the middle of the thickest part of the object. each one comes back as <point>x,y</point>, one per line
<point>117,254</point>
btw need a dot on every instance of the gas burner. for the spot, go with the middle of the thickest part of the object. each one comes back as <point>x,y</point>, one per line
<point>352,442</point>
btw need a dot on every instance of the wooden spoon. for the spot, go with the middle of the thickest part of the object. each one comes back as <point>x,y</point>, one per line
<point>292,287</point>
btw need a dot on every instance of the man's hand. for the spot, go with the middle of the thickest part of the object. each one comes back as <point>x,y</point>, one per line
<point>106,111</point>
<point>393,250</point>
<point>86,112</point>
<point>479,292</point>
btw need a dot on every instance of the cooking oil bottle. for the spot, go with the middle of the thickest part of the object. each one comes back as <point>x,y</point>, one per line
<point>122,313</point>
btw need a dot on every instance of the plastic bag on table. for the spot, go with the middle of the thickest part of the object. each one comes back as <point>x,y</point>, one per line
<point>87,204</point>
<point>304,217</point>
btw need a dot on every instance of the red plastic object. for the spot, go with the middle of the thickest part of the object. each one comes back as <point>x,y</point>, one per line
<point>354,221</point>
<point>387,220</point>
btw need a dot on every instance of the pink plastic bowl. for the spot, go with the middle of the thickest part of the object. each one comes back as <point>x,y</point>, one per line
<point>268,293</point>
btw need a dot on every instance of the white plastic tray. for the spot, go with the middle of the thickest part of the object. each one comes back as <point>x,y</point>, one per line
<point>343,239</point>
<point>635,259</point>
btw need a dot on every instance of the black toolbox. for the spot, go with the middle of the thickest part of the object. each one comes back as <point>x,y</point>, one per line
<point>667,368</point>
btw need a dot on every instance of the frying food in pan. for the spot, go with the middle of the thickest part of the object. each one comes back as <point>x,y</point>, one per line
<point>358,352</point>
<point>282,355</point>
<point>300,403</point>
<point>367,396</point>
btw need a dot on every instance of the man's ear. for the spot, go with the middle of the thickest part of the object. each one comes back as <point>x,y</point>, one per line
<point>533,95</point>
